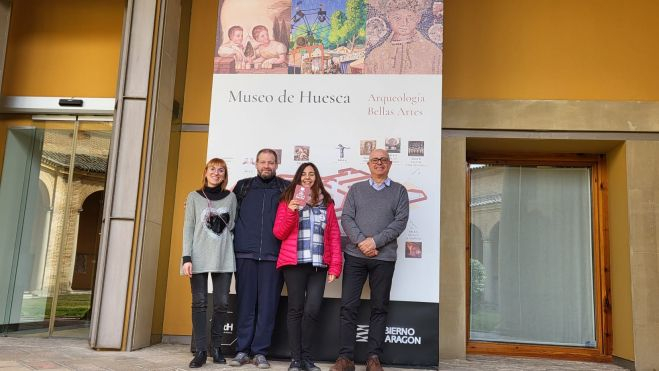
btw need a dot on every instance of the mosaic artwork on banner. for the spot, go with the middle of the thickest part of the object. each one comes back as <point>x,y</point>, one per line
<point>328,81</point>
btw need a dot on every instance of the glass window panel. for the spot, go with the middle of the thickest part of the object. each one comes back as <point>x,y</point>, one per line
<point>531,249</point>
<point>50,224</point>
<point>80,248</point>
<point>33,197</point>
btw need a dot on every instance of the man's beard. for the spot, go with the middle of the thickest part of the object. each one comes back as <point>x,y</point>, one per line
<point>267,176</point>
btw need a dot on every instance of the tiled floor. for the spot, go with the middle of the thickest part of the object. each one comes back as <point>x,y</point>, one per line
<point>29,353</point>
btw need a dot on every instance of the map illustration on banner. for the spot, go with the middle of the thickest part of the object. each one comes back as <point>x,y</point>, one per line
<point>329,81</point>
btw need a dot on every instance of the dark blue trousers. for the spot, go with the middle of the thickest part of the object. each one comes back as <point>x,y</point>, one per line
<point>258,288</point>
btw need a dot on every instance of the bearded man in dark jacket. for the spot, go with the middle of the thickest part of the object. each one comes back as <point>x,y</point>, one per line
<point>258,283</point>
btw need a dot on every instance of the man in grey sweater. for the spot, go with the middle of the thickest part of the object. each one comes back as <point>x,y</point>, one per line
<point>375,213</point>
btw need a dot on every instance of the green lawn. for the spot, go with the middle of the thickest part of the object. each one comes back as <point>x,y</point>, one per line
<point>68,306</point>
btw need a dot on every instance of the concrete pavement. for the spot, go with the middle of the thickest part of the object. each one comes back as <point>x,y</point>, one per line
<point>33,353</point>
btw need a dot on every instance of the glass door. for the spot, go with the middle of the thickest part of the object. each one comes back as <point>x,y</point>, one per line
<point>78,256</point>
<point>53,180</point>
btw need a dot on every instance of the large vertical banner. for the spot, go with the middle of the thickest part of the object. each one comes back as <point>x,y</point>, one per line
<point>327,81</point>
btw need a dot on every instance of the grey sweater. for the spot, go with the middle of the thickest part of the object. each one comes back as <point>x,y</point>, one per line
<point>210,252</point>
<point>379,214</point>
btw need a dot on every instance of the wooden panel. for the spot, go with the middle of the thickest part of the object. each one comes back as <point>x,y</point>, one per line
<point>63,48</point>
<point>551,49</point>
<point>544,351</point>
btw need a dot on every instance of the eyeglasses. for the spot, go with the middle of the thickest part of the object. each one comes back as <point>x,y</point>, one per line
<point>379,160</point>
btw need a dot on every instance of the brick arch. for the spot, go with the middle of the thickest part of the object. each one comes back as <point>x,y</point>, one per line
<point>476,242</point>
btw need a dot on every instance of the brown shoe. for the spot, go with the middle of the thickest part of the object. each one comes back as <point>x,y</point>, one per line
<point>373,363</point>
<point>343,364</point>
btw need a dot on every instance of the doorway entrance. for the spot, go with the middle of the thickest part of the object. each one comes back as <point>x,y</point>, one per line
<point>51,191</point>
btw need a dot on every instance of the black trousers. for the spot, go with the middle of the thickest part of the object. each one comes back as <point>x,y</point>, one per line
<point>355,272</point>
<point>306,286</point>
<point>199,286</point>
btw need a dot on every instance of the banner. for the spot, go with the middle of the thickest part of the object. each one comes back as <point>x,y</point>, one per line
<point>328,81</point>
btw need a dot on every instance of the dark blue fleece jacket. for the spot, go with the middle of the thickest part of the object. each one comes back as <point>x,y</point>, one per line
<point>253,238</point>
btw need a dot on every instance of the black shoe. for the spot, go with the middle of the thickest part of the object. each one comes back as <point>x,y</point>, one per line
<point>307,365</point>
<point>295,366</point>
<point>217,356</point>
<point>199,359</point>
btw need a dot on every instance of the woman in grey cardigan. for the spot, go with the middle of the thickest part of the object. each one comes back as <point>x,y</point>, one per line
<point>210,214</point>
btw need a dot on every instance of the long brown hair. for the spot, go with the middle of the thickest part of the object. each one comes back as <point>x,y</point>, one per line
<point>215,162</point>
<point>317,188</point>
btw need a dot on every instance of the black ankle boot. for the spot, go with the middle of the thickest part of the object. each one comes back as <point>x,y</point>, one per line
<point>217,356</point>
<point>199,359</point>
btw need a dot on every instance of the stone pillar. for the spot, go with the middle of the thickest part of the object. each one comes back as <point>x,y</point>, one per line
<point>133,213</point>
<point>643,191</point>
<point>452,267</point>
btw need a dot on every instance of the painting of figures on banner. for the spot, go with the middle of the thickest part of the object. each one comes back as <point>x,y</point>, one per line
<point>404,37</point>
<point>314,37</point>
<point>327,36</point>
<point>252,36</point>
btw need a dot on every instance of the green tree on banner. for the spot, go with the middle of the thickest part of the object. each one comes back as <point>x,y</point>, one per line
<point>349,29</point>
